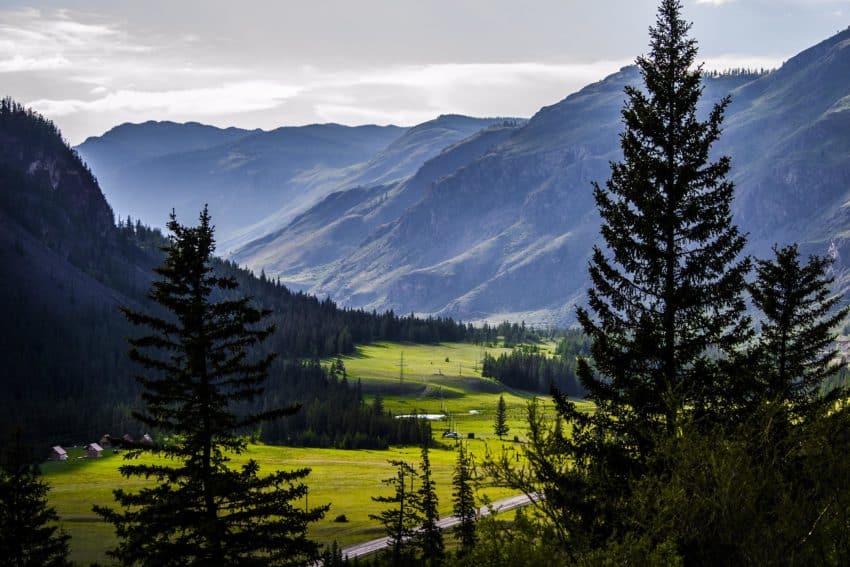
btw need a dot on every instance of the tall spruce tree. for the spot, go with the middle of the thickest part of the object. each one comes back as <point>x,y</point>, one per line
<point>200,376</point>
<point>797,331</point>
<point>430,535</point>
<point>402,518</point>
<point>463,501</point>
<point>667,294</point>
<point>500,424</point>
<point>29,536</point>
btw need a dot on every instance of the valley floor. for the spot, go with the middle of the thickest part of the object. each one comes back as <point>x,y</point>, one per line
<point>345,479</point>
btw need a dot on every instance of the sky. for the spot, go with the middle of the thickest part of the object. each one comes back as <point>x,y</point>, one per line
<point>90,65</point>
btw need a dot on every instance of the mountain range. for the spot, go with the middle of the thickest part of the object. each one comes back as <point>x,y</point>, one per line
<point>66,267</point>
<point>254,181</point>
<point>497,219</point>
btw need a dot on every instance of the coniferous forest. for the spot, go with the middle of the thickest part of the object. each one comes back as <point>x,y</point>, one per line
<point>696,413</point>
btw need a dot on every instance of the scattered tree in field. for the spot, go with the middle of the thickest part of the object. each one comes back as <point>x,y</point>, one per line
<point>430,535</point>
<point>402,519</point>
<point>463,500</point>
<point>202,511</point>
<point>796,333</point>
<point>28,534</point>
<point>500,426</point>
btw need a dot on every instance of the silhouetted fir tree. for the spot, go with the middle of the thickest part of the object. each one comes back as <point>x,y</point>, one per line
<point>28,534</point>
<point>463,500</point>
<point>402,519</point>
<point>200,510</point>
<point>430,535</point>
<point>332,557</point>
<point>800,315</point>
<point>500,426</point>
<point>667,295</point>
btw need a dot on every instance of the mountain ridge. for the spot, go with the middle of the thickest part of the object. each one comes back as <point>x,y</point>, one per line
<point>508,234</point>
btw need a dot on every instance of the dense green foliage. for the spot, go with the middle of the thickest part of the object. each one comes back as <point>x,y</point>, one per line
<point>333,413</point>
<point>197,374</point>
<point>29,536</point>
<point>510,334</point>
<point>526,368</point>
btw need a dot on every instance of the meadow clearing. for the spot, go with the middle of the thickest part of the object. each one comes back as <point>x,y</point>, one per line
<point>345,479</point>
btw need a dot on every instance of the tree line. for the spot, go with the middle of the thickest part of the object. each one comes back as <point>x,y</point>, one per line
<point>333,412</point>
<point>527,368</point>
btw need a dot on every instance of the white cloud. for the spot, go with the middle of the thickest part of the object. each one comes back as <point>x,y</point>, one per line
<point>21,63</point>
<point>91,72</point>
<point>248,96</point>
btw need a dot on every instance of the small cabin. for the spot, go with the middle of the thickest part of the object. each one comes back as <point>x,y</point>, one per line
<point>105,441</point>
<point>57,453</point>
<point>127,440</point>
<point>93,451</point>
<point>146,440</point>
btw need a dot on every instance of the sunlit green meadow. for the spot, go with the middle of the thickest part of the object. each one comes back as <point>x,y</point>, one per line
<point>345,479</point>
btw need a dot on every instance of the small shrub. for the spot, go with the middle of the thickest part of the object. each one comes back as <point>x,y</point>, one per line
<point>341,519</point>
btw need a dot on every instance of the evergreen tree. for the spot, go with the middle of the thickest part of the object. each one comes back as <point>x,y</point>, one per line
<point>430,535</point>
<point>28,534</point>
<point>402,519</point>
<point>500,426</point>
<point>463,501</point>
<point>796,333</point>
<point>202,511</point>
<point>667,297</point>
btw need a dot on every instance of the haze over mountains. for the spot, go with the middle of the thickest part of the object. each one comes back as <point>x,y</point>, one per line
<point>488,219</point>
<point>255,181</point>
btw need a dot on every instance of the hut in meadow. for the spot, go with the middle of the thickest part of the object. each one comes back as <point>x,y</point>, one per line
<point>93,451</point>
<point>57,453</point>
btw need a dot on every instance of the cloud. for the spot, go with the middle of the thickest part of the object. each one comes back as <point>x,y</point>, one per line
<point>20,63</point>
<point>90,72</point>
<point>715,2</point>
<point>233,98</point>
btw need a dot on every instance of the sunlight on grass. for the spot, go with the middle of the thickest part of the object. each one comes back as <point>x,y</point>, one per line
<point>346,479</point>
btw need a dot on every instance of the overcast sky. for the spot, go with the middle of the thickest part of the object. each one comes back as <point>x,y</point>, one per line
<point>92,65</point>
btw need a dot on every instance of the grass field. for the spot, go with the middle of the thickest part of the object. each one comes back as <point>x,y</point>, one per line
<point>346,479</point>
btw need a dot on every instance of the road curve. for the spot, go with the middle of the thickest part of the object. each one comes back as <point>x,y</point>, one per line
<point>371,546</point>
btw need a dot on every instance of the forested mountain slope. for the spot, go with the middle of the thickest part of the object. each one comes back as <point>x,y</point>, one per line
<point>66,267</point>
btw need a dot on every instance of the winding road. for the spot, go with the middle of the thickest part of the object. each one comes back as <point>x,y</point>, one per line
<point>369,547</point>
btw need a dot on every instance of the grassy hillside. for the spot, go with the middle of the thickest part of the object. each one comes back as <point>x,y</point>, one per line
<point>346,479</point>
<point>443,378</point>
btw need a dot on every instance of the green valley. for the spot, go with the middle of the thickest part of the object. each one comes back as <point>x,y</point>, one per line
<point>346,478</point>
